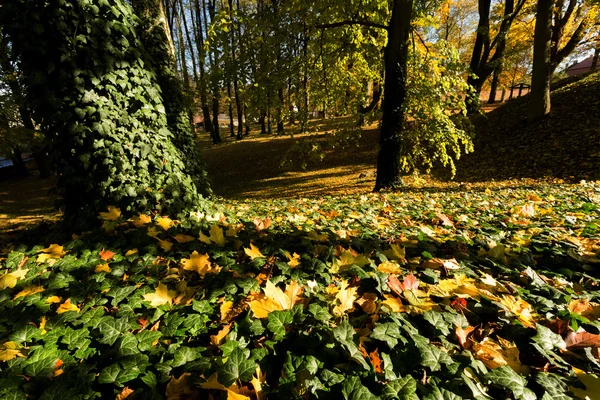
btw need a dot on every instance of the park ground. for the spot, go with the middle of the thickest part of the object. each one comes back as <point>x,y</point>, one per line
<point>306,284</point>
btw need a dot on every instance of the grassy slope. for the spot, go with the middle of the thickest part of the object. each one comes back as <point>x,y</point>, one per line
<point>564,145</point>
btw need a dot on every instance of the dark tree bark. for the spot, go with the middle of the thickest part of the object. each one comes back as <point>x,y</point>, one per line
<point>236,90</point>
<point>201,64</point>
<point>494,85</point>
<point>389,169</point>
<point>539,102</point>
<point>214,60</point>
<point>483,61</point>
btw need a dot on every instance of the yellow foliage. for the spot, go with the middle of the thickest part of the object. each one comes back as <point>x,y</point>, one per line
<point>275,299</point>
<point>253,252</point>
<point>346,297</point>
<point>112,215</point>
<point>162,295</point>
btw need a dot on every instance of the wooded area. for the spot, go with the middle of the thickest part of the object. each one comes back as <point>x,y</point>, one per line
<point>290,199</point>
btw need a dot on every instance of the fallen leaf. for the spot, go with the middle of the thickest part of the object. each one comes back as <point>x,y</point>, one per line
<point>162,295</point>
<point>217,339</point>
<point>102,268</point>
<point>141,220</point>
<point>463,334</point>
<point>376,361</point>
<point>67,306</point>
<point>253,252</point>
<point>262,224</point>
<point>165,222</point>
<point>112,215</point>
<point>581,340</point>
<point>346,297</point>
<point>496,354</point>
<point>393,303</point>
<point>183,238</point>
<point>124,393</point>
<point>396,253</point>
<point>585,308</point>
<point>216,235</point>
<point>389,268</point>
<point>591,382</point>
<point>199,263</point>
<point>28,291</point>
<point>367,303</point>
<point>294,260</point>
<point>257,380</point>
<point>226,306</point>
<point>181,388</point>
<point>53,299</point>
<point>520,308</point>
<point>10,279</point>
<point>274,299</point>
<point>131,252</point>
<point>106,255</point>
<point>165,245</point>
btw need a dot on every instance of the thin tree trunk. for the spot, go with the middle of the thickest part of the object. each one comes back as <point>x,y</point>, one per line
<point>495,82</point>
<point>231,128</point>
<point>201,63</point>
<point>389,167</point>
<point>214,60</point>
<point>595,58</point>
<point>236,91</point>
<point>539,100</point>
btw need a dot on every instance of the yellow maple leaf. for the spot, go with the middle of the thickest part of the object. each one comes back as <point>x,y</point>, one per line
<point>217,339</point>
<point>520,308</point>
<point>253,252</point>
<point>131,252</point>
<point>10,279</point>
<point>53,299</point>
<point>585,308</point>
<point>7,354</point>
<point>347,259</point>
<point>181,388</point>
<point>591,382</point>
<point>67,306</point>
<point>233,392</point>
<point>459,285</point>
<point>43,326</point>
<point>183,238</point>
<point>165,245</point>
<point>394,304</point>
<point>496,354</point>
<point>102,268</point>
<point>216,235</point>
<point>275,299</point>
<point>199,263</point>
<point>389,268</point>
<point>226,306</point>
<point>124,393</point>
<point>54,251</point>
<point>161,295</point>
<point>165,222</point>
<point>112,215</point>
<point>396,253</point>
<point>153,232</point>
<point>141,220</point>
<point>294,260</point>
<point>28,291</point>
<point>257,381</point>
<point>346,297</point>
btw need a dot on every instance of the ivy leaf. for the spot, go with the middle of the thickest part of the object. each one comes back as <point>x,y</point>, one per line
<point>278,320</point>
<point>353,389</point>
<point>547,339</point>
<point>509,379</point>
<point>344,333</point>
<point>387,332</point>
<point>184,355</point>
<point>431,356</point>
<point>237,367</point>
<point>402,389</point>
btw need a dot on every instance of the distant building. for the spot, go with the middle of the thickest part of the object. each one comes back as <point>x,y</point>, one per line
<point>580,67</point>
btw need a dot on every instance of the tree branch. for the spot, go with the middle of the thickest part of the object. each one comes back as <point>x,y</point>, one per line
<point>350,22</point>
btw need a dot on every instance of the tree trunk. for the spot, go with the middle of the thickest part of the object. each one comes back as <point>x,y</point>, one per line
<point>201,63</point>
<point>389,168</point>
<point>595,58</point>
<point>495,82</point>
<point>214,56</point>
<point>230,106</point>
<point>539,99</point>
<point>17,160</point>
<point>108,150</point>
<point>236,91</point>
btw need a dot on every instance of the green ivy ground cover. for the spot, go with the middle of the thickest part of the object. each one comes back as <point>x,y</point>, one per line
<point>418,295</point>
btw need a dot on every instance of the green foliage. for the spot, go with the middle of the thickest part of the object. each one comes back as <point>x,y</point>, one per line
<point>438,132</point>
<point>99,105</point>
<point>83,322</point>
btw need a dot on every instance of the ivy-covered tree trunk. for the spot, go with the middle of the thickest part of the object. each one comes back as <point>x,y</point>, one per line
<point>99,104</point>
<point>389,168</point>
<point>156,38</point>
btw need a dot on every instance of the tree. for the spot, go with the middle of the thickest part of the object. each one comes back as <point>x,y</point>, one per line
<point>487,52</point>
<point>97,100</point>
<point>552,44</point>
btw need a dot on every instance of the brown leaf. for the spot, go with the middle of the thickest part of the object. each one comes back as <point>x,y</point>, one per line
<point>581,340</point>
<point>410,282</point>
<point>463,335</point>
<point>261,224</point>
<point>395,285</point>
<point>367,303</point>
<point>444,219</point>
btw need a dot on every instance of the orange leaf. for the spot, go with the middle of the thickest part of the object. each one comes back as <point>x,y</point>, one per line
<point>106,255</point>
<point>376,361</point>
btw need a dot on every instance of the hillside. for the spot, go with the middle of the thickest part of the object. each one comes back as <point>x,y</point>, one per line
<point>564,145</point>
